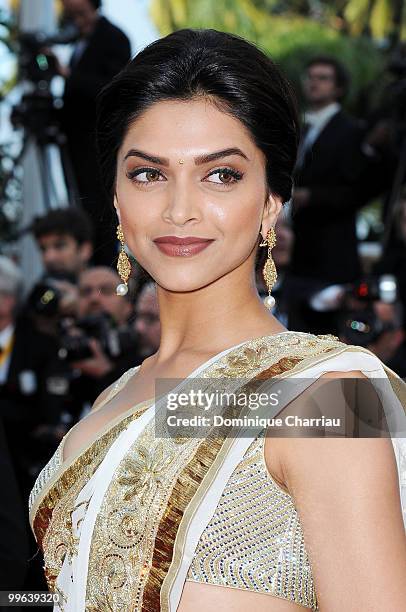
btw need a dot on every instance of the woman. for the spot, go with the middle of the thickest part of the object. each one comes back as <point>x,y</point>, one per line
<point>198,138</point>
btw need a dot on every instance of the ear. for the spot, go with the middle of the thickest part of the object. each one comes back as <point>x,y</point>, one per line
<point>86,251</point>
<point>272,208</point>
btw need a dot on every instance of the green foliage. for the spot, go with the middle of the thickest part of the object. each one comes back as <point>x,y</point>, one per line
<point>293,42</point>
<point>289,38</point>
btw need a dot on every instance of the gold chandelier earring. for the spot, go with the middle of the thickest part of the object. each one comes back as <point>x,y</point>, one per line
<point>269,271</point>
<point>123,264</point>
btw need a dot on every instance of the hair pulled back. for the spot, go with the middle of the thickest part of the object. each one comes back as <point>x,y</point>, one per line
<point>237,76</point>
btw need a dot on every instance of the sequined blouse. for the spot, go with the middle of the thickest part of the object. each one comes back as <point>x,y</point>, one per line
<point>254,540</point>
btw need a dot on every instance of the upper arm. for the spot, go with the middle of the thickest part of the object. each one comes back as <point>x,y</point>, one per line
<point>346,493</point>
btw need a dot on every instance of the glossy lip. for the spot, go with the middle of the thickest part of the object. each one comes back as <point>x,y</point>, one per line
<point>184,249</point>
<point>183,241</point>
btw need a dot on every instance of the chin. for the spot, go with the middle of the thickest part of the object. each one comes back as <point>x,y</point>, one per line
<point>182,283</point>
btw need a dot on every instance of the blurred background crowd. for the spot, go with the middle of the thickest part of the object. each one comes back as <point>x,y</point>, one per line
<point>341,240</point>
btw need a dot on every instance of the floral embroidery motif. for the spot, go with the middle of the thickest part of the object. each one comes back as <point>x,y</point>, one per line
<point>131,545</point>
<point>144,473</point>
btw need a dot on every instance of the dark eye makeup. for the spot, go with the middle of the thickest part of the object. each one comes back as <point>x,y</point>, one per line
<point>229,172</point>
<point>132,174</point>
<point>154,173</point>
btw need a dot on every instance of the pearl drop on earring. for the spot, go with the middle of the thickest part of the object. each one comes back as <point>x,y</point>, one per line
<point>122,289</point>
<point>269,301</point>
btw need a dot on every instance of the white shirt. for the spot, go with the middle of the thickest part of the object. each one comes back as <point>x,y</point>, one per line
<point>317,120</point>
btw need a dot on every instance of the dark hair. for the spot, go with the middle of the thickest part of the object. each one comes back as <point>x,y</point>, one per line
<point>342,76</point>
<point>64,222</point>
<point>187,64</point>
<point>96,4</point>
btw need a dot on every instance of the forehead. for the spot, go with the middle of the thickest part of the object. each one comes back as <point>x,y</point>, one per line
<point>324,68</point>
<point>52,238</point>
<point>97,277</point>
<point>192,125</point>
<point>74,5</point>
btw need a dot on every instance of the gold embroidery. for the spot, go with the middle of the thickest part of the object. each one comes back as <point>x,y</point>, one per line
<point>127,521</point>
<point>144,471</point>
<point>144,504</point>
<point>53,520</point>
<point>55,463</point>
<point>134,534</point>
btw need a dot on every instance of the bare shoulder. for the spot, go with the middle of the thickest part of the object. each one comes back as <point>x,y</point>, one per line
<point>343,374</point>
<point>346,492</point>
<point>319,398</point>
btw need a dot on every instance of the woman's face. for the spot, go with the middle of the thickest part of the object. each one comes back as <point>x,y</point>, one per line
<point>186,169</point>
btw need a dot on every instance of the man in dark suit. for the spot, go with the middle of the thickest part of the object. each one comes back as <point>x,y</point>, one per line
<point>25,357</point>
<point>101,51</point>
<point>330,169</point>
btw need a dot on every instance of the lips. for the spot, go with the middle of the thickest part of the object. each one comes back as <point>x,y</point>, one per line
<point>176,246</point>
<point>182,241</point>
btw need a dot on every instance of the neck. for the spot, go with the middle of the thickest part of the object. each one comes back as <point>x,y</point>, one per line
<point>209,319</point>
<point>94,23</point>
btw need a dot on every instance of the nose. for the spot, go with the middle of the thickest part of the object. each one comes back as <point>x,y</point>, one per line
<point>49,256</point>
<point>182,206</point>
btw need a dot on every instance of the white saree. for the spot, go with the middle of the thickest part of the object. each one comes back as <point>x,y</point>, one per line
<point>120,522</point>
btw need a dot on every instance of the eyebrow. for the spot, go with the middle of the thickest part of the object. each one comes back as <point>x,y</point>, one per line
<point>199,160</point>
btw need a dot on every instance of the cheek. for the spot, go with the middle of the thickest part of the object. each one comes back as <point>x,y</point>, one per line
<point>242,217</point>
<point>135,208</point>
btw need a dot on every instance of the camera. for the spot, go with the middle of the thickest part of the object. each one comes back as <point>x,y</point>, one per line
<point>360,324</point>
<point>34,63</point>
<point>45,297</point>
<point>76,334</point>
<point>37,111</point>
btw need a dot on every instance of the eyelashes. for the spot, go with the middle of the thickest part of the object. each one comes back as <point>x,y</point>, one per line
<point>156,175</point>
<point>132,175</point>
<point>230,172</point>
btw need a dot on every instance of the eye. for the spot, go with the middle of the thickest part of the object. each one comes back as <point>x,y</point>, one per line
<point>226,176</point>
<point>145,175</point>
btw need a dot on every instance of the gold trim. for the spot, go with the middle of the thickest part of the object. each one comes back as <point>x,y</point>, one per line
<point>65,465</point>
<point>71,474</point>
<point>162,592</point>
<point>234,351</point>
<point>247,357</point>
<point>184,525</point>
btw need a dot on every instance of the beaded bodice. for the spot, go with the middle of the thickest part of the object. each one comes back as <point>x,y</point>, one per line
<point>119,518</point>
<point>254,540</point>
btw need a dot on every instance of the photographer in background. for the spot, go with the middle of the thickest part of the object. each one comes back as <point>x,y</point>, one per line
<point>372,316</point>
<point>26,356</point>
<point>101,343</point>
<point>65,238</point>
<point>101,51</point>
<point>393,261</point>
